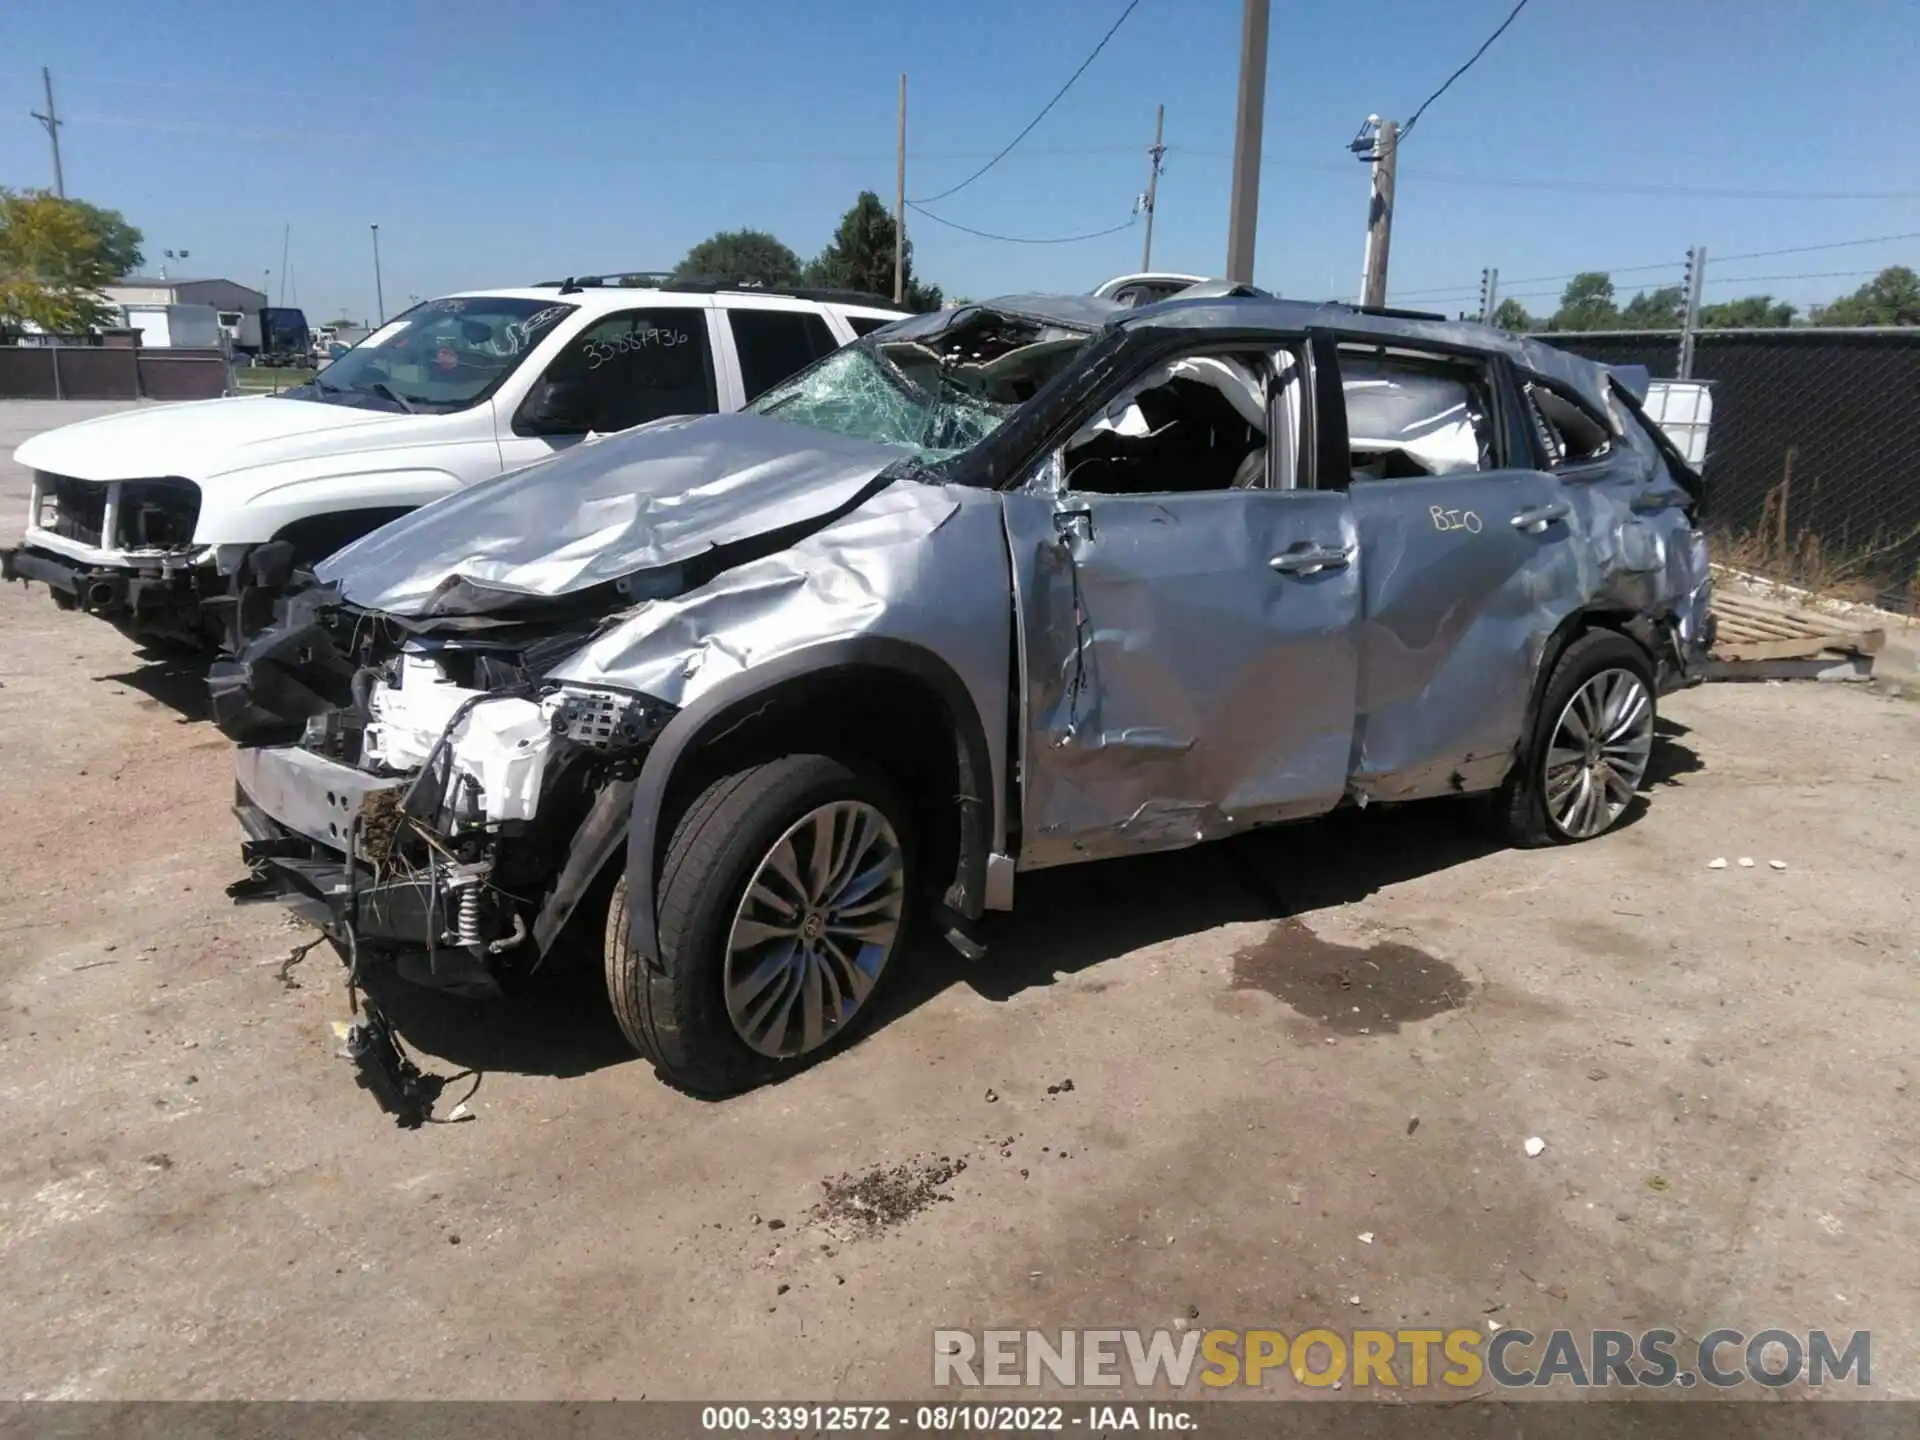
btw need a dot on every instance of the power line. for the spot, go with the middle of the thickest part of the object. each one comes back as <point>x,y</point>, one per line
<point>927,199</point>
<point>1830,245</point>
<point>1697,192</point>
<point>1815,275</point>
<point>1437,292</point>
<point>1021,239</point>
<point>1511,17</point>
<point>1599,187</point>
<point>1543,279</point>
<point>225,131</point>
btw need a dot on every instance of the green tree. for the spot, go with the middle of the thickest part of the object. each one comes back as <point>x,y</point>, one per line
<point>1751,312</point>
<point>1512,315</point>
<point>1662,309</point>
<point>1586,304</point>
<point>55,255</point>
<point>860,257</point>
<point>119,242</point>
<point>741,255</point>
<point>1891,298</point>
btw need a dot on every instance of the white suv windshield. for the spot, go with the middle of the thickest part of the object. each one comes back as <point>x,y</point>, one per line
<point>443,355</point>
<point>934,394</point>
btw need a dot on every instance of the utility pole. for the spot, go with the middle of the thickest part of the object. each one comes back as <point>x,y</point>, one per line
<point>1696,276</point>
<point>1154,155</point>
<point>1489,294</point>
<point>286,239</point>
<point>900,204</point>
<point>53,122</point>
<point>1378,143</point>
<point>379,293</point>
<point>1244,210</point>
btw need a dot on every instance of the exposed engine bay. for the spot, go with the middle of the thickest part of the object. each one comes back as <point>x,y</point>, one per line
<point>420,793</point>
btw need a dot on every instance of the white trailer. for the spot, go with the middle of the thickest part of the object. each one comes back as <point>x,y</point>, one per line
<point>165,327</point>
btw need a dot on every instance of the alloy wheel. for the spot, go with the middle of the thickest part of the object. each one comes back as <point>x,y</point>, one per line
<point>814,929</point>
<point>1598,754</point>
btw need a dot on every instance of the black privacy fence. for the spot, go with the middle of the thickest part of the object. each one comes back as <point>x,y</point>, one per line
<point>1813,459</point>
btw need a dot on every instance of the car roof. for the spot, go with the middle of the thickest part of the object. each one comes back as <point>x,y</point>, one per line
<point>1585,378</point>
<point>615,297</point>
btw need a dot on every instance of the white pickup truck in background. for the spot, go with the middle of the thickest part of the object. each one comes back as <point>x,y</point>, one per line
<point>182,522</point>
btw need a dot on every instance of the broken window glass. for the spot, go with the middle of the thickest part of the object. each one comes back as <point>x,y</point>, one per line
<point>935,395</point>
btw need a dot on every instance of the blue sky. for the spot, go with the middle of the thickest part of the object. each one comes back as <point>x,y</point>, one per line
<point>499,143</point>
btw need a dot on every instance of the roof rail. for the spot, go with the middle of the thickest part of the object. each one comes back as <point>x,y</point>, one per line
<point>709,284</point>
<point>1388,312</point>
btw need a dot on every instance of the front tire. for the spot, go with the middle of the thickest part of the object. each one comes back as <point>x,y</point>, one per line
<point>1591,740</point>
<point>782,899</point>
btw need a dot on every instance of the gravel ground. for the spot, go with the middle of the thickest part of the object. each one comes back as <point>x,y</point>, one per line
<point>1273,1046</point>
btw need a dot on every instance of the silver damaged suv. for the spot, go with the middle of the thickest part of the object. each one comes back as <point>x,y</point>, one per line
<point>1021,584</point>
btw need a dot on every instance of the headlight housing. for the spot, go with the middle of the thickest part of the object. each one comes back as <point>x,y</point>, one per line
<point>609,720</point>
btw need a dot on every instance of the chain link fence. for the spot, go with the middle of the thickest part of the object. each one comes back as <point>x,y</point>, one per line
<point>1813,461</point>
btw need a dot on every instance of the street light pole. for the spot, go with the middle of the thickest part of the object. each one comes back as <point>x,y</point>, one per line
<point>1244,210</point>
<point>379,291</point>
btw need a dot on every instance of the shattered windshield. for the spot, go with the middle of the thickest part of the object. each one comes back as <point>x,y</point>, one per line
<point>441,356</point>
<point>935,394</point>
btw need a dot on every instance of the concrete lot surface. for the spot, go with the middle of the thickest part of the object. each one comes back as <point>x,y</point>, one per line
<point>1275,1046</point>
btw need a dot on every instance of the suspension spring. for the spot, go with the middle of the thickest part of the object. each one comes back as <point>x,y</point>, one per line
<point>466,922</point>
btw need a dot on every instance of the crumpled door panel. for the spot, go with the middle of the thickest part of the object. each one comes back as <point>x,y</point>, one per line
<point>1459,602</point>
<point>1178,687</point>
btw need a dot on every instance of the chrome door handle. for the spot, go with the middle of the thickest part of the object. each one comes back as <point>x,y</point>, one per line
<point>1536,520</point>
<point>1311,561</point>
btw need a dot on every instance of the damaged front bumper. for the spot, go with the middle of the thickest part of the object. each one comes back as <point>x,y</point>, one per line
<point>443,804</point>
<point>192,595</point>
<point>298,813</point>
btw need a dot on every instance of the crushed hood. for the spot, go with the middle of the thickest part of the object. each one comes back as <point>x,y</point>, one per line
<point>202,439</point>
<point>646,500</point>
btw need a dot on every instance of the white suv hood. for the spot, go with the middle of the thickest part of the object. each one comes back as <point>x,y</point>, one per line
<point>207,438</point>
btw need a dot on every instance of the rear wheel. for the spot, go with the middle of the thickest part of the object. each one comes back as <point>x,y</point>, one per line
<point>781,901</point>
<point>1590,744</point>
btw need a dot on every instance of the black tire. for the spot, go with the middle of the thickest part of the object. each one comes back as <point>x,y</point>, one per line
<point>675,1014</point>
<point>1520,806</point>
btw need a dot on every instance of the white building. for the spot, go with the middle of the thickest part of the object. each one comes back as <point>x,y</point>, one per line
<point>189,312</point>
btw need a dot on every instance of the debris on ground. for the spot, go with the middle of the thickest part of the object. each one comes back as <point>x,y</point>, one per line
<point>1366,1237</point>
<point>992,1096</point>
<point>1719,862</point>
<point>1065,1087</point>
<point>1776,864</point>
<point>1746,862</point>
<point>1534,1146</point>
<point>863,1205</point>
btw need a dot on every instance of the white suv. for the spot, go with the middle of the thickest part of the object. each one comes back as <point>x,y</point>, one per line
<point>183,521</point>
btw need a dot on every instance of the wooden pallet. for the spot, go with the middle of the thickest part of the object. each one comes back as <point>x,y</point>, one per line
<point>1767,640</point>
